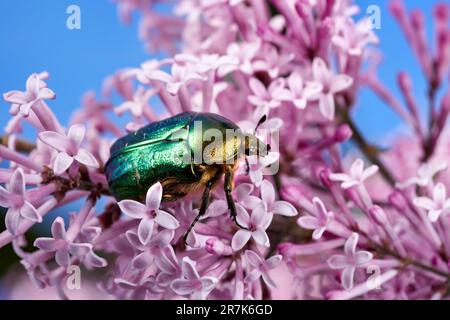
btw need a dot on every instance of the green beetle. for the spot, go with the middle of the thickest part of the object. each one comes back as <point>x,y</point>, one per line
<point>167,151</point>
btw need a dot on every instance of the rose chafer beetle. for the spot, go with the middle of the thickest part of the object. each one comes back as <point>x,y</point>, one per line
<point>167,152</point>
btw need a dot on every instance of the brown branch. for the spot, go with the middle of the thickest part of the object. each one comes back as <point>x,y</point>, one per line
<point>21,145</point>
<point>368,150</point>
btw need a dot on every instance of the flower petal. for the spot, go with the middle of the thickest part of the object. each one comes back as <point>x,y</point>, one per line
<point>143,260</point>
<point>260,236</point>
<point>340,83</point>
<point>268,280</point>
<point>257,88</point>
<point>85,157</point>
<point>284,208</point>
<point>439,193</point>
<point>17,183</point>
<point>424,202</point>
<point>217,208</point>
<point>356,169</point>
<point>12,220</point>
<point>16,97</point>
<point>145,230</point>
<point>188,269</point>
<point>320,70</point>
<point>337,261</point>
<point>267,192</point>
<point>79,249</point>
<point>62,257</point>
<point>93,260</point>
<point>240,239</point>
<point>47,244</point>
<point>208,284</point>
<point>326,106</point>
<point>309,223</point>
<point>59,229</point>
<point>46,93</point>
<point>243,190</point>
<point>362,257</point>
<point>54,140</point>
<point>29,212</point>
<point>62,162</point>
<point>154,195</point>
<point>183,287</point>
<point>76,134</point>
<point>133,209</point>
<point>350,244</point>
<point>166,220</point>
<point>259,216</point>
<point>347,277</point>
<point>243,218</point>
<point>253,258</point>
<point>274,261</point>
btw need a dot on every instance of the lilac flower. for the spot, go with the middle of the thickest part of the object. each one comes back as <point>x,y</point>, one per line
<point>63,247</point>
<point>299,93</point>
<point>272,62</point>
<point>258,164</point>
<point>169,266</point>
<point>36,90</point>
<point>209,62</point>
<point>331,84</point>
<point>436,206</point>
<point>241,194</point>
<point>192,283</point>
<point>356,176</point>
<point>425,174</point>
<point>14,197</point>
<point>350,261</point>
<point>150,250</point>
<point>255,225</point>
<point>260,267</point>
<point>244,53</point>
<point>272,207</point>
<point>319,222</point>
<point>269,98</point>
<point>180,75</point>
<point>149,213</point>
<point>139,103</point>
<point>69,148</point>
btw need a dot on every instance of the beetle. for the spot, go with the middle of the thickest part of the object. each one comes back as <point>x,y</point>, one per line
<point>165,151</point>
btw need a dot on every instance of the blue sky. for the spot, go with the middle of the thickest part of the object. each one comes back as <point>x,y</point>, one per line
<point>34,37</point>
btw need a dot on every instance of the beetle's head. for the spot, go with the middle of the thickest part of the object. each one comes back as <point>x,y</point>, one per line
<point>253,146</point>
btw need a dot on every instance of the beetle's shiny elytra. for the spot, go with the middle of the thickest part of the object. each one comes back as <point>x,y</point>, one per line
<point>151,154</point>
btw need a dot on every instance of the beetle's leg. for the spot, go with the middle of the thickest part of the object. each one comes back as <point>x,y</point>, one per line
<point>228,187</point>
<point>203,207</point>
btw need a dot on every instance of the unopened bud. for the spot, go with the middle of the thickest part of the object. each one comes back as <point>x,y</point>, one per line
<point>397,200</point>
<point>217,247</point>
<point>343,133</point>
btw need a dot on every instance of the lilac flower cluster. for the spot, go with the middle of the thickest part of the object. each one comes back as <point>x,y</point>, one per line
<point>370,224</point>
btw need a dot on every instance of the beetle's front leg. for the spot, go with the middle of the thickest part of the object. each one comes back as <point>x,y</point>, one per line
<point>203,207</point>
<point>228,187</point>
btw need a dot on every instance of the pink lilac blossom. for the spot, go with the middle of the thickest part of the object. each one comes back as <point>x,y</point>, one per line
<point>327,224</point>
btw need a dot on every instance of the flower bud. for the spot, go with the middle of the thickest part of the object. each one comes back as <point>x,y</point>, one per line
<point>343,133</point>
<point>217,247</point>
<point>324,176</point>
<point>397,200</point>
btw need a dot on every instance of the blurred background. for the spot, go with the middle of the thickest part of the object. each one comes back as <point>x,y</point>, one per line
<point>34,38</point>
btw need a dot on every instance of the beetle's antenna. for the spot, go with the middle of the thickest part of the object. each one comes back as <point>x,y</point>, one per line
<point>260,122</point>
